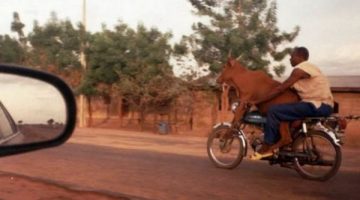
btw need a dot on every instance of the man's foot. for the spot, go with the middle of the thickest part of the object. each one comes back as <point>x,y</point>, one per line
<point>264,151</point>
<point>258,156</point>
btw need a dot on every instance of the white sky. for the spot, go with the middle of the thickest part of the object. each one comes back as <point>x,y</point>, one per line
<point>33,102</point>
<point>329,28</point>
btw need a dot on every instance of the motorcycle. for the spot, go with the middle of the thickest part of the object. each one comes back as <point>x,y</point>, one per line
<point>315,152</point>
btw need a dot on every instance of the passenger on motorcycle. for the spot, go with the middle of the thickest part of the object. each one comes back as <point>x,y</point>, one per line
<point>314,91</point>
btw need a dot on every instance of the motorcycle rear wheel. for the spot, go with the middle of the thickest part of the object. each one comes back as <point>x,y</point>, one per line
<point>319,157</point>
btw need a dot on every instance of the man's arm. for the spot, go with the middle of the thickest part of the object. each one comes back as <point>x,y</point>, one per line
<point>296,75</point>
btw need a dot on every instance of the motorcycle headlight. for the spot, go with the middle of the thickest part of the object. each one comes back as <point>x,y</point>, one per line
<point>234,106</point>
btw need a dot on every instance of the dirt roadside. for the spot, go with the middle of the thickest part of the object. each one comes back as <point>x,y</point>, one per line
<point>19,187</point>
<point>16,187</point>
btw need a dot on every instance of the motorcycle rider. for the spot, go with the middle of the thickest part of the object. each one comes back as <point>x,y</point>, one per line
<point>314,91</point>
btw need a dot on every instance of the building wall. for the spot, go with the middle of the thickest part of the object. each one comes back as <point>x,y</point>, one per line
<point>204,115</point>
<point>349,104</point>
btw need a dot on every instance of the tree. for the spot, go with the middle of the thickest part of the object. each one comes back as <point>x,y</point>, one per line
<point>50,122</point>
<point>147,81</point>
<point>106,54</point>
<point>17,26</point>
<point>150,91</point>
<point>11,50</point>
<point>56,48</point>
<point>88,89</point>
<point>246,28</point>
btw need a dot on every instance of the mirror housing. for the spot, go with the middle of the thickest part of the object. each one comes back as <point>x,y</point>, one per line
<point>70,109</point>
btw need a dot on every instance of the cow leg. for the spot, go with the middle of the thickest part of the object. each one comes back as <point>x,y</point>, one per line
<point>239,113</point>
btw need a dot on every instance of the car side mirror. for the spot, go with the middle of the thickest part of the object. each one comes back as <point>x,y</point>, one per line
<point>37,110</point>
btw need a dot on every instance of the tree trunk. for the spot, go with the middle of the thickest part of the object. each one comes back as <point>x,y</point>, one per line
<point>214,113</point>
<point>176,120</point>
<point>120,111</point>
<point>191,120</point>
<point>108,111</point>
<point>88,99</point>
<point>142,119</point>
<point>109,102</point>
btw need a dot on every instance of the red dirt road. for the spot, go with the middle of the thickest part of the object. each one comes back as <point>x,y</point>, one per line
<point>116,164</point>
<point>16,187</point>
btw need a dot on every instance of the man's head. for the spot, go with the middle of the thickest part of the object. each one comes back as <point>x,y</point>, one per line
<point>299,55</point>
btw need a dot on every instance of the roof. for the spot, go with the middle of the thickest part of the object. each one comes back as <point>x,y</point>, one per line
<point>344,81</point>
<point>341,83</point>
<point>345,90</point>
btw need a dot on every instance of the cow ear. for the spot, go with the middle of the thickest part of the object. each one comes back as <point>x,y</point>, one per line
<point>229,54</point>
<point>230,62</point>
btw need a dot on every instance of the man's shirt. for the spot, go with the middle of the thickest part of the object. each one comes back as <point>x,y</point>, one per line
<point>315,89</point>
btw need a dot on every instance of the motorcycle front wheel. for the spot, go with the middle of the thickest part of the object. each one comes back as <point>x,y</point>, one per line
<point>225,148</point>
<point>318,157</point>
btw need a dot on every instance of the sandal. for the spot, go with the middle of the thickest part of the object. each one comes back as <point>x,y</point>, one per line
<point>259,156</point>
<point>264,151</point>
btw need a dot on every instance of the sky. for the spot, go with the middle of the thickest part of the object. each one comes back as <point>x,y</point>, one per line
<point>33,102</point>
<point>330,29</point>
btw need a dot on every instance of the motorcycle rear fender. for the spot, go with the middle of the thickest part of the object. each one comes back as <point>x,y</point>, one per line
<point>333,137</point>
<point>329,132</point>
<point>222,123</point>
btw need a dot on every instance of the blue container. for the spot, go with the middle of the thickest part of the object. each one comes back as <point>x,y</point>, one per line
<point>163,128</point>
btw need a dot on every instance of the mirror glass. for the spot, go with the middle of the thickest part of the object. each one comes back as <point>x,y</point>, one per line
<point>30,110</point>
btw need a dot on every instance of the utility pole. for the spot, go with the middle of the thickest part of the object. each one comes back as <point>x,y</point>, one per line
<point>82,103</point>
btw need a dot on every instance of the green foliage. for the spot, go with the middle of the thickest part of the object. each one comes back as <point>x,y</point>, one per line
<point>10,50</point>
<point>17,26</point>
<point>149,90</point>
<point>280,69</point>
<point>146,81</point>
<point>180,49</point>
<point>87,86</point>
<point>107,54</point>
<point>56,43</point>
<point>246,28</point>
<point>133,63</point>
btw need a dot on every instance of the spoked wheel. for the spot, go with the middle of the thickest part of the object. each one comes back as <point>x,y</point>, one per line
<point>317,157</point>
<point>225,150</point>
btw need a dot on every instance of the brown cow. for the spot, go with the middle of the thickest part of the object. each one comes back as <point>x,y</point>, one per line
<point>252,85</point>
